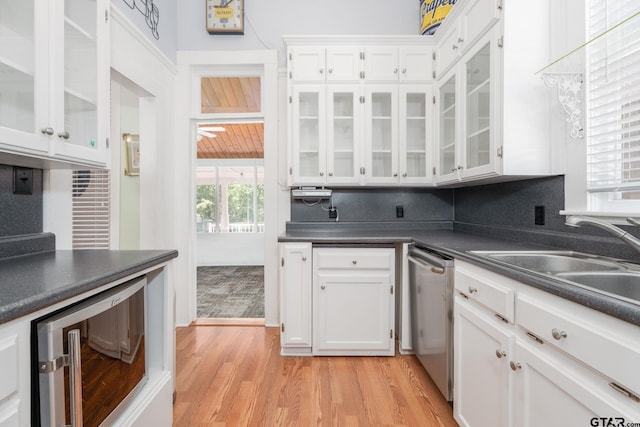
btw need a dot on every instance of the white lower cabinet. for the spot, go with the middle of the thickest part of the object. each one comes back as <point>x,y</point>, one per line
<point>14,373</point>
<point>353,301</point>
<point>481,367</point>
<point>336,300</point>
<point>549,391</point>
<point>560,363</point>
<point>295,298</point>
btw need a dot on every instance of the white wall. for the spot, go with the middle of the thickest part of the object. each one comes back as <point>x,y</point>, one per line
<point>267,21</point>
<point>129,218</point>
<point>166,28</point>
<point>230,249</point>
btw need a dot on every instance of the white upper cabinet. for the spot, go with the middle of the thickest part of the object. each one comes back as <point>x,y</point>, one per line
<point>493,110</point>
<point>307,64</point>
<point>54,80</point>
<point>415,130</point>
<point>462,30</point>
<point>80,81</point>
<point>344,64</point>
<point>344,116</point>
<point>381,133</point>
<point>373,124</point>
<point>308,130</point>
<point>23,74</point>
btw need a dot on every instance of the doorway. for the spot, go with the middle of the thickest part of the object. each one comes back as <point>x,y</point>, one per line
<point>229,203</point>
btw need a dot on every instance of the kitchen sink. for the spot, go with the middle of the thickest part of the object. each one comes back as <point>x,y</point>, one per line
<point>620,283</point>
<point>601,274</point>
<point>553,262</point>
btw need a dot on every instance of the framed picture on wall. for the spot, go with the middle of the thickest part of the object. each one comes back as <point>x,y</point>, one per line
<point>132,148</point>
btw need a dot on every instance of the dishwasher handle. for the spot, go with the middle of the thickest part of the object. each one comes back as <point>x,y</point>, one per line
<point>434,269</point>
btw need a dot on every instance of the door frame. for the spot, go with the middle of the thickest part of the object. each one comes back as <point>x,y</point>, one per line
<point>191,65</point>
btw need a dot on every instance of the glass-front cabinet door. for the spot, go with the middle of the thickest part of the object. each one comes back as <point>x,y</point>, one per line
<point>308,135</point>
<point>381,134</point>
<point>343,135</point>
<point>415,117</point>
<point>54,79</point>
<point>479,155</point>
<point>23,69</point>
<point>80,86</point>
<point>447,129</point>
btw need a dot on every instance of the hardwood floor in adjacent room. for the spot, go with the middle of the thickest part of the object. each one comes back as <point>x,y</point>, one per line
<point>235,376</point>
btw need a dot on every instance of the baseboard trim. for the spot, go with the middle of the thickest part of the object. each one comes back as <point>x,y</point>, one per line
<point>231,321</point>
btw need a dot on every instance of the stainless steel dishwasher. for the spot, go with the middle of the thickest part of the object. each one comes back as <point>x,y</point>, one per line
<point>431,296</point>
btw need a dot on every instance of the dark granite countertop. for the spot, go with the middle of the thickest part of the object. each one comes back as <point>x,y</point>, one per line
<point>459,244</point>
<point>30,283</point>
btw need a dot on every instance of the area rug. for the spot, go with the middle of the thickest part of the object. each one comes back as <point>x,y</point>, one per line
<point>230,292</point>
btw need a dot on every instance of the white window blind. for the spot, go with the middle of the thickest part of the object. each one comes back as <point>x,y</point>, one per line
<point>91,209</point>
<point>613,101</point>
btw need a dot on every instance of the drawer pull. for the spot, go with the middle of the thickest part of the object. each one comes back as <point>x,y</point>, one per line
<point>354,262</point>
<point>504,319</point>
<point>535,338</point>
<point>472,290</point>
<point>515,365</point>
<point>437,270</point>
<point>558,334</point>
<point>501,353</point>
<point>322,287</point>
<point>624,391</point>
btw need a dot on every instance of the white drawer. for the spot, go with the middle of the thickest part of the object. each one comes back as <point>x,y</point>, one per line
<point>8,365</point>
<point>606,344</point>
<point>483,287</point>
<point>354,258</point>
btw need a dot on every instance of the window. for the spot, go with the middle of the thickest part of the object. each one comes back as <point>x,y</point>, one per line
<point>613,106</point>
<point>230,196</point>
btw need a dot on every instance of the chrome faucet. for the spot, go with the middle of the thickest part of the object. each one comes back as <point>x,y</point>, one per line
<point>577,221</point>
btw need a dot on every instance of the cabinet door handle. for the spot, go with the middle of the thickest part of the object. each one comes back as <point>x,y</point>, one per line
<point>322,287</point>
<point>304,258</point>
<point>354,262</point>
<point>515,365</point>
<point>558,334</point>
<point>63,135</point>
<point>321,70</point>
<point>330,173</point>
<point>47,131</point>
<point>404,71</point>
<point>395,71</point>
<point>330,70</point>
<point>321,173</point>
<point>472,290</point>
<point>501,353</point>
<point>404,175</point>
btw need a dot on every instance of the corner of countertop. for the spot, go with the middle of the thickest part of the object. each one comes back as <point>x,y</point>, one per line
<point>25,244</point>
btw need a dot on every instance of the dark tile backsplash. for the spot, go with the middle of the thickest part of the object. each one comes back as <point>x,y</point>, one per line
<point>19,213</point>
<point>378,205</point>
<point>504,210</point>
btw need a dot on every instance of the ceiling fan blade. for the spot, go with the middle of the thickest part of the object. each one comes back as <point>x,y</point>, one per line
<point>212,128</point>
<point>207,134</point>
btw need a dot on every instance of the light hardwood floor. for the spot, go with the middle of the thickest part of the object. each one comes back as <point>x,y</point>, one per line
<point>235,376</point>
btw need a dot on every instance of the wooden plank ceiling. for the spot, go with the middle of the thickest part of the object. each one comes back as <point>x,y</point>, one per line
<point>222,95</point>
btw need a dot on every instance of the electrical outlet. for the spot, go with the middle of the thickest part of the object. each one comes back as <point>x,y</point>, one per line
<point>399,211</point>
<point>333,213</point>
<point>22,180</point>
<point>538,215</point>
